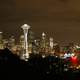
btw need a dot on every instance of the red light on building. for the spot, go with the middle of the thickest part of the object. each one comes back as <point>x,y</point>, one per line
<point>74,60</point>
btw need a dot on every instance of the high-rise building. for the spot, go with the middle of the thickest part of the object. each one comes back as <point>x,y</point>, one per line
<point>5,42</point>
<point>36,46</point>
<point>1,41</point>
<point>51,45</point>
<point>57,50</point>
<point>44,45</point>
<point>43,41</point>
<point>11,42</point>
<point>31,39</point>
<point>51,42</point>
<point>21,42</point>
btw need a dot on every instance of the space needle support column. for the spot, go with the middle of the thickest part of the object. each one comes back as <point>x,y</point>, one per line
<point>25,28</point>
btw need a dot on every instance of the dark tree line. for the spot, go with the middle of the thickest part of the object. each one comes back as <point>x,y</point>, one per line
<point>36,67</point>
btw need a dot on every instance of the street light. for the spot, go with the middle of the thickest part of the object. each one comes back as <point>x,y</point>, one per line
<point>25,28</point>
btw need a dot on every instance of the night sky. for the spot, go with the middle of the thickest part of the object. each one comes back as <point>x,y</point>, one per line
<point>58,18</point>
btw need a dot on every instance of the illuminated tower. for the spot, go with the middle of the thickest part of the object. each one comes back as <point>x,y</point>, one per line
<point>1,41</point>
<point>43,35</point>
<point>25,28</point>
<point>12,41</point>
<point>43,44</point>
<point>22,41</point>
<point>51,43</point>
<point>43,40</point>
<point>1,35</point>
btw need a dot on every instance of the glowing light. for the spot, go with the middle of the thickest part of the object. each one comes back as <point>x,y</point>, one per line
<point>1,32</point>
<point>72,54</point>
<point>56,56</point>
<point>43,34</point>
<point>67,55</point>
<point>74,60</point>
<point>77,46</point>
<point>25,26</point>
<point>43,56</point>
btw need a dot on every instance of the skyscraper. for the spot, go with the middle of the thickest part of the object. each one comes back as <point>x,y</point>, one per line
<point>25,28</point>
<point>1,41</point>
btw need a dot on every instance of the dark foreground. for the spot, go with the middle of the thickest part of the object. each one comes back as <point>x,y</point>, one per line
<point>36,68</point>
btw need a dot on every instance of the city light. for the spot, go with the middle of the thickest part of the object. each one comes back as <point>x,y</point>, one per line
<point>74,60</point>
<point>44,46</point>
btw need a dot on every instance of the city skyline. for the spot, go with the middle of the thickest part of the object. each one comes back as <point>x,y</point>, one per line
<point>60,19</point>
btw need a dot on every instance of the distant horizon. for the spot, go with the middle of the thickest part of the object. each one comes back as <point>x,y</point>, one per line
<point>7,35</point>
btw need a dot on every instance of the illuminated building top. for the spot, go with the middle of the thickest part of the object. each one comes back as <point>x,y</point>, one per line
<point>25,26</point>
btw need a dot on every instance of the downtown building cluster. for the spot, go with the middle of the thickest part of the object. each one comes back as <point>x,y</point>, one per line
<point>28,44</point>
<point>41,45</point>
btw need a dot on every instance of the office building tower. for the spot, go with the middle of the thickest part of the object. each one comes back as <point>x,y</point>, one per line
<point>1,41</point>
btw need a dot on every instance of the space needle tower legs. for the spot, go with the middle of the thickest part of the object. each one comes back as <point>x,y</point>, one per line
<point>25,28</point>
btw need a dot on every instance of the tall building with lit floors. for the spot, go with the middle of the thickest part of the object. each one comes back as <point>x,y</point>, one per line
<point>44,45</point>
<point>1,41</point>
<point>11,42</point>
<point>51,44</point>
<point>21,42</point>
<point>25,54</point>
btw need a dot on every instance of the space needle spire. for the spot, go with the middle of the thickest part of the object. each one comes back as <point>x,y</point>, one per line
<point>25,28</point>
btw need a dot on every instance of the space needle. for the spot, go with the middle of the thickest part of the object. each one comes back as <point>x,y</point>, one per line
<point>25,28</point>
